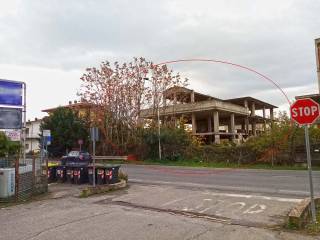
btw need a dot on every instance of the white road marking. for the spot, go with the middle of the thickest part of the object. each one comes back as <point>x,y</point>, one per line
<point>303,194</point>
<point>279,199</point>
<point>252,211</point>
<point>240,205</point>
<point>205,210</point>
<point>174,201</point>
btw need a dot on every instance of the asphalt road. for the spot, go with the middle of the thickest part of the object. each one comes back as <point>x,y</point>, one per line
<point>271,182</point>
<point>147,212</point>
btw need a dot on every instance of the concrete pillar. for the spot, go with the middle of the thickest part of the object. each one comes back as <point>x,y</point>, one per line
<point>254,129</point>
<point>246,103</point>
<point>246,120</point>
<point>271,116</point>
<point>243,126</point>
<point>246,123</point>
<point>209,124</point>
<point>216,126</point>
<point>174,98</point>
<point>210,128</point>
<point>194,123</point>
<point>264,118</point>
<point>253,109</point>
<point>232,125</point>
<point>253,113</point>
<point>192,96</point>
<point>164,100</point>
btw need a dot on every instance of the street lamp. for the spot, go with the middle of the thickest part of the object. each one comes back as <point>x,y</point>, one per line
<point>158,113</point>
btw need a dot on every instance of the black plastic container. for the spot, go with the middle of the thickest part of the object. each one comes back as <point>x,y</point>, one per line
<point>69,174</point>
<point>101,176</point>
<point>61,174</point>
<point>52,174</point>
<point>80,175</point>
<point>115,174</point>
<point>90,175</point>
<point>112,174</point>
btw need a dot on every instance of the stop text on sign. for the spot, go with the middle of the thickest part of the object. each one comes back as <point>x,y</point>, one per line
<point>305,111</point>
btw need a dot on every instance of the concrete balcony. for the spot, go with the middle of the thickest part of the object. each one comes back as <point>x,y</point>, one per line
<point>32,136</point>
<point>202,106</point>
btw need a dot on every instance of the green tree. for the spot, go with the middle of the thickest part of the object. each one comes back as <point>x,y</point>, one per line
<point>66,129</point>
<point>174,142</point>
<point>7,147</point>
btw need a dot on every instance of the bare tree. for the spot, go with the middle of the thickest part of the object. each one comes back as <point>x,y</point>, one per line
<point>119,92</point>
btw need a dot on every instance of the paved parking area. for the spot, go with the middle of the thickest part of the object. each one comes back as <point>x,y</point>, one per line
<point>243,209</point>
<point>146,212</point>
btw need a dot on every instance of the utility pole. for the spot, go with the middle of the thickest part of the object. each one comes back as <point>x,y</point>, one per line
<point>159,128</point>
<point>317,49</point>
<point>312,204</point>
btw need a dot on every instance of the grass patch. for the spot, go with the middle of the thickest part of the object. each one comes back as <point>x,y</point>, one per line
<point>314,228</point>
<point>101,189</point>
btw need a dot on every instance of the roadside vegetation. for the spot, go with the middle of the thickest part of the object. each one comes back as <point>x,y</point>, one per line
<point>116,94</point>
<point>314,228</point>
<point>279,148</point>
<point>8,148</point>
<point>67,127</point>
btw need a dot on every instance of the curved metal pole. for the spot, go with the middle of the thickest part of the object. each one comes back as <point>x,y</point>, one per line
<point>232,64</point>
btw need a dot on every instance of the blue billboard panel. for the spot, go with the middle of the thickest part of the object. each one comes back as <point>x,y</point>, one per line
<point>10,93</point>
<point>10,118</point>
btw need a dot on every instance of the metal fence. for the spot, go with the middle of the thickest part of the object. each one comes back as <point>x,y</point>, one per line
<point>20,180</point>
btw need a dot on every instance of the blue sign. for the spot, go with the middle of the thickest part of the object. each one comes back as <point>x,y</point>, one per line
<point>10,93</point>
<point>47,140</point>
<point>10,118</point>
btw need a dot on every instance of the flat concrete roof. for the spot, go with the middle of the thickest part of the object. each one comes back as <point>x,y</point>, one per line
<point>315,95</point>
<point>184,93</point>
<point>77,105</point>
<point>258,103</point>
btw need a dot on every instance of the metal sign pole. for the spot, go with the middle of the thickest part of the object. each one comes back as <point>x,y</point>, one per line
<point>313,208</point>
<point>94,132</point>
<point>41,151</point>
<point>94,162</point>
<point>24,120</point>
<point>159,132</point>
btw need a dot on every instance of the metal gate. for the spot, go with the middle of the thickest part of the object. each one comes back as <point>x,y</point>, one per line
<point>20,180</point>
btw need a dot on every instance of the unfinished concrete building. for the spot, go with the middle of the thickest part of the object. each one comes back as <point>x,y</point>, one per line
<point>213,118</point>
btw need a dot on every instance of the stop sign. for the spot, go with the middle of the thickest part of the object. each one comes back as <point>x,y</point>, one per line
<point>304,111</point>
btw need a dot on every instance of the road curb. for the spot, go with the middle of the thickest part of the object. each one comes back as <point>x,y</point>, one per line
<point>299,215</point>
<point>102,188</point>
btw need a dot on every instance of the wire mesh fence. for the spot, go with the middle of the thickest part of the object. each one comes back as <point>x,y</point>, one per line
<point>20,179</point>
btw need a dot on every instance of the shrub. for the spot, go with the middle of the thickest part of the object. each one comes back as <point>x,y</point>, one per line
<point>123,176</point>
<point>174,142</point>
<point>7,147</point>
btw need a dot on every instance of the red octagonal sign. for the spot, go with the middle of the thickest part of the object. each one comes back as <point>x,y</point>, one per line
<point>304,111</point>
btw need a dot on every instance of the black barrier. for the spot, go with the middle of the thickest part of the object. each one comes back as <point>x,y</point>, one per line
<point>52,174</point>
<point>90,175</point>
<point>100,176</point>
<point>113,174</point>
<point>80,175</point>
<point>105,174</point>
<point>61,174</point>
<point>69,174</point>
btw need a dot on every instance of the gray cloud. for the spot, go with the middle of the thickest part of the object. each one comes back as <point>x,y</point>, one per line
<point>273,37</point>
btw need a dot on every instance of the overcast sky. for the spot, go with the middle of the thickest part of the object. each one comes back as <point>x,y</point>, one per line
<point>49,43</point>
